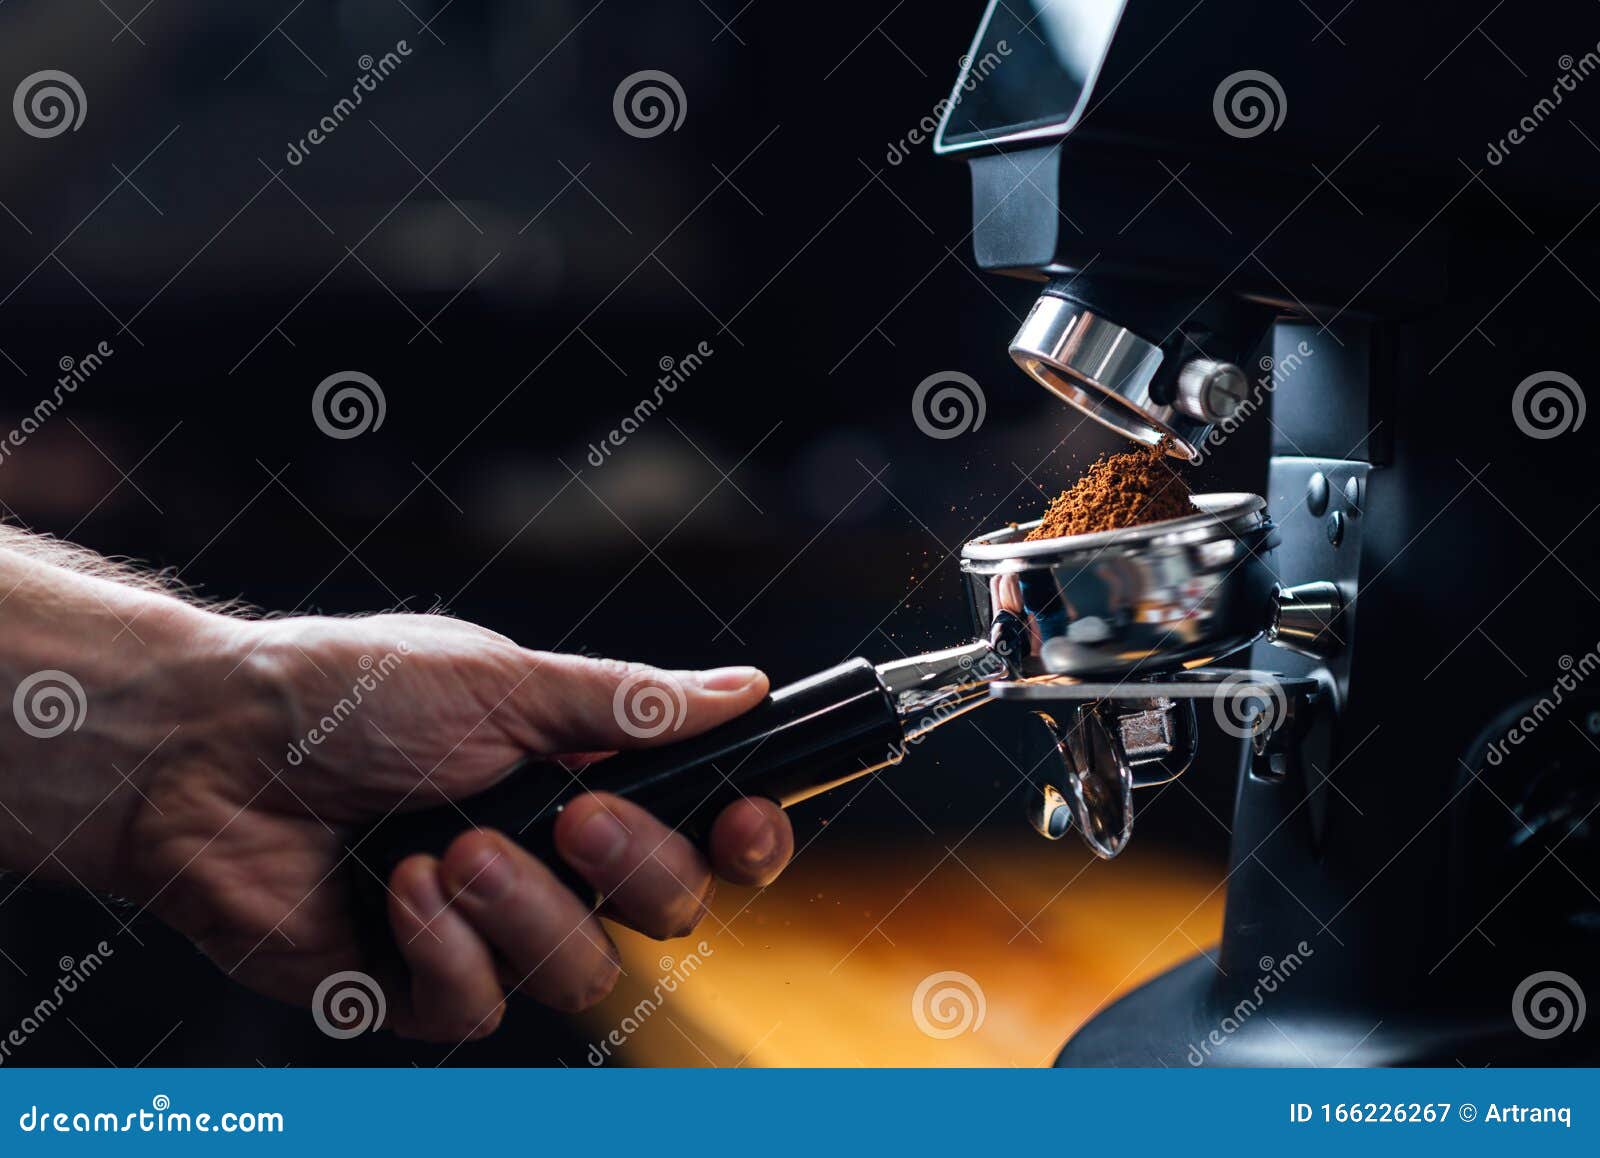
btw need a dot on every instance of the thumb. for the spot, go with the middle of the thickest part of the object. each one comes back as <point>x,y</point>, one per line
<point>579,704</point>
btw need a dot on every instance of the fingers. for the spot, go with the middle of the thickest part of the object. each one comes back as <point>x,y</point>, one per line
<point>554,949</point>
<point>577,704</point>
<point>455,994</point>
<point>751,842</point>
<point>652,877</point>
<point>488,914</point>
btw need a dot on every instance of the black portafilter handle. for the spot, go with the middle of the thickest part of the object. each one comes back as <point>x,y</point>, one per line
<point>801,740</point>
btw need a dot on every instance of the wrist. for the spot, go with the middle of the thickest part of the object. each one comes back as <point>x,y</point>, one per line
<point>112,692</point>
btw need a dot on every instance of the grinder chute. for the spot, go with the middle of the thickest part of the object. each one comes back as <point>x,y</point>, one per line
<point>1140,388</point>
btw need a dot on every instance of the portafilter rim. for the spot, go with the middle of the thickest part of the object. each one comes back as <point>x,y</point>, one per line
<point>1223,514</point>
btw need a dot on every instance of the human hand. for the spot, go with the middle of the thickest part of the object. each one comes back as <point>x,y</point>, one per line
<point>291,736</point>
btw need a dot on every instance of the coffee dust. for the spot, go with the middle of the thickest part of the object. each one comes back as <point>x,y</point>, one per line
<point>1120,490</point>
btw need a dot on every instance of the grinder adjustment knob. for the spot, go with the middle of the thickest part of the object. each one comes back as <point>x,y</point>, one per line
<point>1210,392</point>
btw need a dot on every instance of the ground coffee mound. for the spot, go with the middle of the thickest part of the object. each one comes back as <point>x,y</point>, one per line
<point>1120,490</point>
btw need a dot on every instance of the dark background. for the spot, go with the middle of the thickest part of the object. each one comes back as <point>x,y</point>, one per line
<point>555,260</point>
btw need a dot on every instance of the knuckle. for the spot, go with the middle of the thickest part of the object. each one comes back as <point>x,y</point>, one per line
<point>623,668</point>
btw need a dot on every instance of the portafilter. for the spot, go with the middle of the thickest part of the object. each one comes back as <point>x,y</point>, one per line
<point>1120,605</point>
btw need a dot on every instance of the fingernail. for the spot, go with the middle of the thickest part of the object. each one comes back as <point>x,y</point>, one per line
<point>761,847</point>
<point>727,679</point>
<point>599,840</point>
<point>426,901</point>
<point>487,875</point>
<point>602,984</point>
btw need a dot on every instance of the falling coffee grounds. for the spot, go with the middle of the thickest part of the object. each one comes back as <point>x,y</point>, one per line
<point>1120,490</point>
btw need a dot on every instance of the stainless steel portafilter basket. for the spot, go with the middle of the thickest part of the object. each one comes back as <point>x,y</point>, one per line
<point>1078,619</point>
<point>1159,598</point>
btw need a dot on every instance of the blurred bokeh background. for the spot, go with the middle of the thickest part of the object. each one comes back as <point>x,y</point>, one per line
<point>482,239</point>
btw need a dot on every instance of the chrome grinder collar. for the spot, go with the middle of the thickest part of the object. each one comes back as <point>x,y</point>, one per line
<point>1113,375</point>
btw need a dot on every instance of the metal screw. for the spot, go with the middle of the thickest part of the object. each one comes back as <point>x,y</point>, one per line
<point>1210,391</point>
<point>1317,494</point>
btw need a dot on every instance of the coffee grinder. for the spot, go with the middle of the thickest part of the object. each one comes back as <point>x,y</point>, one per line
<point>1366,236</point>
<point>1248,222</point>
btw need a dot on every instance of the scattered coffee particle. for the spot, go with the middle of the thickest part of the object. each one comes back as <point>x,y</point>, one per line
<point>1120,490</point>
